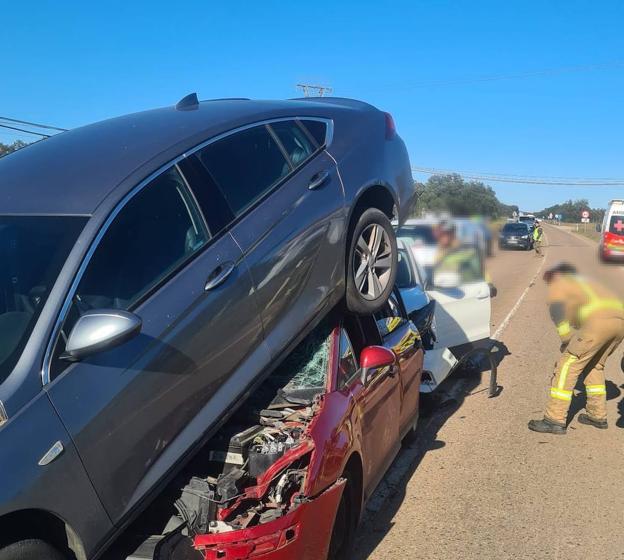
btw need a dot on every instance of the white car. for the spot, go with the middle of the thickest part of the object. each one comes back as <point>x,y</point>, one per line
<point>451,309</point>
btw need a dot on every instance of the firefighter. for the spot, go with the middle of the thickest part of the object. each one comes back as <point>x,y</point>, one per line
<point>538,232</point>
<point>590,322</point>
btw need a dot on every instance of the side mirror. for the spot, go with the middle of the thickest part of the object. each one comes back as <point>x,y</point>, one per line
<point>375,357</point>
<point>99,330</point>
<point>446,279</point>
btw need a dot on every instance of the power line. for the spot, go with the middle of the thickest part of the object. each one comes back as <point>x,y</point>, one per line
<point>526,179</point>
<point>46,126</point>
<point>24,130</point>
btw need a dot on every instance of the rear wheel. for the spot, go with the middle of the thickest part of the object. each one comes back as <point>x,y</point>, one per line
<point>371,263</point>
<point>31,549</point>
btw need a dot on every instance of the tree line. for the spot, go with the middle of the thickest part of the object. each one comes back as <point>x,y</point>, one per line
<point>452,193</point>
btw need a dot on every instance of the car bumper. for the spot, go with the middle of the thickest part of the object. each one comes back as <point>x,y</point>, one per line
<point>612,254</point>
<point>302,534</point>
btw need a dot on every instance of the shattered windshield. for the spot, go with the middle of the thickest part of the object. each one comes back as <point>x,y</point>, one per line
<point>33,250</point>
<point>307,366</point>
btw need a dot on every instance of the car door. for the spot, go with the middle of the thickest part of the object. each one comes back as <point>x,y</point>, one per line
<point>288,205</point>
<point>462,296</point>
<point>134,410</point>
<point>378,402</point>
<point>400,335</point>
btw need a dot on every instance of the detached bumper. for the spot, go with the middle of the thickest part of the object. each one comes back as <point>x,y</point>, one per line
<point>302,534</point>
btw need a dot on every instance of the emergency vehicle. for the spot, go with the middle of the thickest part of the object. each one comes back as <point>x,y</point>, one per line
<point>612,238</point>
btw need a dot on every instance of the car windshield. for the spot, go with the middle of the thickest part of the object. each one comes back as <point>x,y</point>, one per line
<point>32,252</point>
<point>515,229</point>
<point>418,233</point>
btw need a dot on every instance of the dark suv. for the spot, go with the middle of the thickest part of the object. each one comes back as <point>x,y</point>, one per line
<point>515,235</point>
<point>155,268</point>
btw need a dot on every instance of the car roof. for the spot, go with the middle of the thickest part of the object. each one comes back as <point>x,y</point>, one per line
<point>73,172</point>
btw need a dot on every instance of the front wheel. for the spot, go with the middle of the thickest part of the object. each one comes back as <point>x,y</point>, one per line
<point>31,549</point>
<point>345,525</point>
<point>371,263</point>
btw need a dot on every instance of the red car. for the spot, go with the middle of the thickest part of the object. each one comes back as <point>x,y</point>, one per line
<point>289,474</point>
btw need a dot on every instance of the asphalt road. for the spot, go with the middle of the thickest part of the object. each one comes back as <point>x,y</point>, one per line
<point>476,483</point>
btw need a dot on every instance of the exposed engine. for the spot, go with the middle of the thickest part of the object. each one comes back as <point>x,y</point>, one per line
<point>256,466</point>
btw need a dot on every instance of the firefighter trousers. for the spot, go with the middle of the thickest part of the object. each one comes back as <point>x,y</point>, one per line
<point>586,354</point>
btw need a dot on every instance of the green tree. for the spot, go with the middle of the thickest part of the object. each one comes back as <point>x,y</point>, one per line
<point>451,193</point>
<point>8,148</point>
<point>571,210</point>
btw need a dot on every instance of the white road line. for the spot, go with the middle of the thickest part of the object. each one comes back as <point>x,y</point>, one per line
<point>504,324</point>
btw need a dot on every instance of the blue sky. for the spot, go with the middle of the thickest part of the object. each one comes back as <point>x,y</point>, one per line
<point>70,63</point>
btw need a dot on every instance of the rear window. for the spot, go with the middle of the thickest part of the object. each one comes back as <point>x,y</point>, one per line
<point>616,225</point>
<point>518,229</point>
<point>420,234</point>
<point>317,129</point>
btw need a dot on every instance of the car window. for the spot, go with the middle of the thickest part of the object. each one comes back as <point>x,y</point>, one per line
<point>245,166</point>
<point>616,225</point>
<point>317,129</point>
<point>422,234</point>
<point>465,262</point>
<point>152,236</point>
<point>519,229</point>
<point>33,249</point>
<point>294,140</point>
<point>389,318</point>
<point>347,365</point>
<point>404,277</point>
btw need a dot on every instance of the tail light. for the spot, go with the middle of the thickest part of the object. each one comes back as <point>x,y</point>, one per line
<point>390,127</point>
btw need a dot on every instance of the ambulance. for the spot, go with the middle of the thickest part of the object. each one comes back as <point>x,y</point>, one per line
<point>612,238</point>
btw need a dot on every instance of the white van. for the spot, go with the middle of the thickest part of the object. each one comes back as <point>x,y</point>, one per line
<point>612,238</point>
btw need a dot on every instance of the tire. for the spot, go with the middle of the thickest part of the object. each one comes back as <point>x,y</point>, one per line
<point>345,525</point>
<point>371,263</point>
<point>31,549</point>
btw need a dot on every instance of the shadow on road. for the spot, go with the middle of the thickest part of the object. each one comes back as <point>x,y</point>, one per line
<point>435,410</point>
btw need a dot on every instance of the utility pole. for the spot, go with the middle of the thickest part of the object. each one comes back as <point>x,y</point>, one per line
<point>309,90</point>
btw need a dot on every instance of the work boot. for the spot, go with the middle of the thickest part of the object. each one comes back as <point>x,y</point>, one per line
<point>545,426</point>
<point>587,419</point>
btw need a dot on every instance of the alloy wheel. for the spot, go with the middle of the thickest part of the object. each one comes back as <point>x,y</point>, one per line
<point>372,262</point>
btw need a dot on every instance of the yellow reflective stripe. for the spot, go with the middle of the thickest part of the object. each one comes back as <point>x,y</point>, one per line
<point>564,328</point>
<point>596,389</point>
<point>564,371</point>
<point>587,310</point>
<point>560,394</point>
<point>595,303</point>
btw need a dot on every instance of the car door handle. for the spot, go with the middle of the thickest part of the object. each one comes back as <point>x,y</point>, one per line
<point>318,180</point>
<point>219,275</point>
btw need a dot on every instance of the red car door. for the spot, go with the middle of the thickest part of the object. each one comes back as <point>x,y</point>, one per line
<point>378,403</point>
<point>404,339</point>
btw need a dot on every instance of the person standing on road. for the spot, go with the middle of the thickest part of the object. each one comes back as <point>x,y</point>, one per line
<point>538,232</point>
<point>590,322</point>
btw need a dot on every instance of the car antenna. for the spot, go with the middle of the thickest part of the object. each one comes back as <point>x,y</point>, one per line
<point>189,101</point>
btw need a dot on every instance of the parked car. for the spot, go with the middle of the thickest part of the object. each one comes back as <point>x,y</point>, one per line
<point>155,268</point>
<point>515,235</point>
<point>420,236</point>
<point>451,309</point>
<point>529,220</point>
<point>288,476</point>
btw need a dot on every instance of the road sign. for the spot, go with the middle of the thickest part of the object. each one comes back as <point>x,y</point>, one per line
<point>550,216</point>
<point>515,214</point>
<point>585,214</point>
<point>585,220</point>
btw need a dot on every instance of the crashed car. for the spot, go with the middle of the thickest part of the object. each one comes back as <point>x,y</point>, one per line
<point>451,308</point>
<point>287,476</point>
<point>153,269</point>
